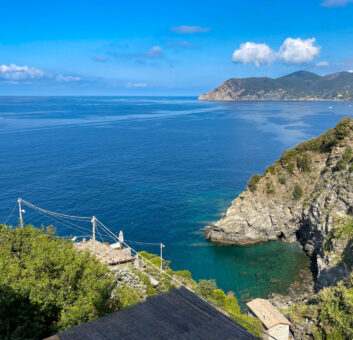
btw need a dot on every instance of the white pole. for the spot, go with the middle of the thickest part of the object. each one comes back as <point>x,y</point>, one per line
<point>94,233</point>
<point>162,246</point>
<point>20,211</point>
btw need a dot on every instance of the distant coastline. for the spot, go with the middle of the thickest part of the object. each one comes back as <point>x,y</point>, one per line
<point>297,86</point>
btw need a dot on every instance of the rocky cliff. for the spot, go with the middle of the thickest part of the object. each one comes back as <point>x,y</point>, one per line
<point>305,196</point>
<point>300,85</point>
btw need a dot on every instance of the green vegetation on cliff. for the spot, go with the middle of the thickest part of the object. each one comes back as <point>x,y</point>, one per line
<point>329,312</point>
<point>300,158</point>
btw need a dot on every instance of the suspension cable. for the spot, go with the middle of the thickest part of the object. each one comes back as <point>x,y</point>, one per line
<point>82,218</point>
<point>68,222</point>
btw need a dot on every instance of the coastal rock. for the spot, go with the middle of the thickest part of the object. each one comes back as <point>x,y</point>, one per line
<point>306,196</point>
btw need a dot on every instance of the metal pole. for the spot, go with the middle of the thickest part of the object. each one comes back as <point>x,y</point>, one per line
<point>20,211</point>
<point>162,246</point>
<point>94,233</point>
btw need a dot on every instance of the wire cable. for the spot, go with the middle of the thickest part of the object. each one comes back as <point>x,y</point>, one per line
<point>82,218</point>
<point>67,222</point>
<point>11,213</point>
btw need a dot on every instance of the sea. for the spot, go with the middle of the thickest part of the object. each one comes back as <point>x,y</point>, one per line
<point>159,169</point>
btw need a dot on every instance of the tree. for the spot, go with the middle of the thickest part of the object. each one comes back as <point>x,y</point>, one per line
<point>48,284</point>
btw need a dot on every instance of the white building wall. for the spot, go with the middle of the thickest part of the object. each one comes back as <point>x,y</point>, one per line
<point>280,332</point>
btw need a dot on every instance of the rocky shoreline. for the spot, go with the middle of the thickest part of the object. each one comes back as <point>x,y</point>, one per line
<point>306,196</point>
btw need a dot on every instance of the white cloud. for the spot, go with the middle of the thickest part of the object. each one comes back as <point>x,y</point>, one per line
<point>322,64</point>
<point>350,71</point>
<point>130,85</point>
<point>67,79</point>
<point>15,72</point>
<point>298,51</point>
<point>335,3</point>
<point>189,29</point>
<point>250,52</point>
<point>292,51</point>
<point>154,52</point>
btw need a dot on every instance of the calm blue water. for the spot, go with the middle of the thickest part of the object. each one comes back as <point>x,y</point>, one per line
<point>158,168</point>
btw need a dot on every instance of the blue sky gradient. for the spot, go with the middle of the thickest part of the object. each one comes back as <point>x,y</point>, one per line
<point>164,47</point>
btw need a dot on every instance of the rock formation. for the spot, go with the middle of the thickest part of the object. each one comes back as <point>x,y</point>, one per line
<point>305,196</point>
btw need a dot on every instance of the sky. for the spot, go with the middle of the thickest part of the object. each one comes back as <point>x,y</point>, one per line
<point>166,47</point>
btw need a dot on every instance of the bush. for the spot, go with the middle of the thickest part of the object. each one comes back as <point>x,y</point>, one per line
<point>290,167</point>
<point>269,188</point>
<point>347,155</point>
<point>253,182</point>
<point>183,273</point>
<point>324,143</point>
<point>288,156</point>
<point>49,286</point>
<point>297,192</point>
<point>344,161</point>
<point>340,165</point>
<point>206,287</point>
<point>303,163</point>
<point>127,296</point>
<point>271,169</point>
<point>282,180</point>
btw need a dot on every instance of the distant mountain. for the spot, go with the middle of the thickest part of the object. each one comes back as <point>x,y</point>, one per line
<point>301,85</point>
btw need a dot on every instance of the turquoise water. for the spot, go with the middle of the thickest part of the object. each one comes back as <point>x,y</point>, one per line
<point>159,168</point>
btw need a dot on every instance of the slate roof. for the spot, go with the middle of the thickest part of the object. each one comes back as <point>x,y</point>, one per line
<point>267,313</point>
<point>104,253</point>
<point>178,314</point>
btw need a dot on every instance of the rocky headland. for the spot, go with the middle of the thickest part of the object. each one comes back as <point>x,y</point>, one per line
<point>301,85</point>
<point>305,196</point>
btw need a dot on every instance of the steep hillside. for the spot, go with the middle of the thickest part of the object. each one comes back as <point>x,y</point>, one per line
<point>301,85</point>
<point>307,195</point>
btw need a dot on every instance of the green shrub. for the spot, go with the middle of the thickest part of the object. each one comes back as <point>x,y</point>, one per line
<point>340,165</point>
<point>269,188</point>
<point>253,182</point>
<point>303,163</point>
<point>297,192</point>
<point>127,296</point>
<point>344,161</point>
<point>282,180</point>
<point>183,273</point>
<point>271,169</point>
<point>324,143</point>
<point>288,156</point>
<point>347,155</point>
<point>206,287</point>
<point>146,255</point>
<point>290,167</point>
